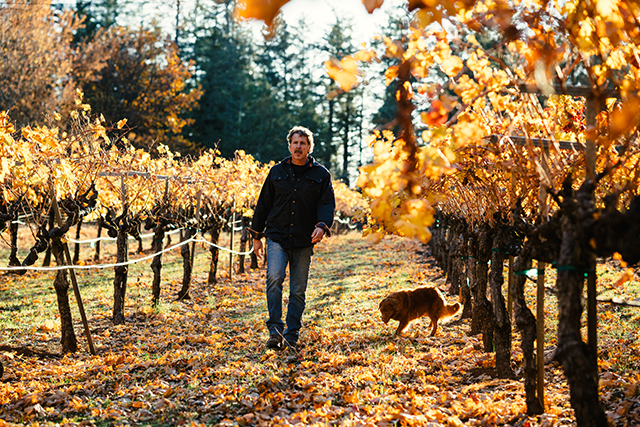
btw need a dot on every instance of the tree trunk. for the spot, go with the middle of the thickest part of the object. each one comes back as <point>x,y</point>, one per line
<point>46,261</point>
<point>96,256</point>
<point>120,279</point>
<point>455,263</point>
<point>76,247</point>
<point>526,324</point>
<point>482,317</point>
<point>244,238</point>
<point>156,264</point>
<point>215,252</point>
<point>187,266</point>
<point>13,233</point>
<point>469,277</point>
<point>502,322</point>
<point>438,240</point>
<point>61,285</point>
<point>140,248</point>
<point>446,255</point>
<point>457,279</point>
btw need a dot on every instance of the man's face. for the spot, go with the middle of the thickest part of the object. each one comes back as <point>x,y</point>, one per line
<point>299,148</point>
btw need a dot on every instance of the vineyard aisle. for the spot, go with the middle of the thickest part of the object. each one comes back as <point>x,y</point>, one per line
<point>203,361</point>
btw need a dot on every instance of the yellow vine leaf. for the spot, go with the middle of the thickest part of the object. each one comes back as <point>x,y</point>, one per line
<point>344,72</point>
<point>452,66</point>
<point>372,5</point>
<point>265,11</point>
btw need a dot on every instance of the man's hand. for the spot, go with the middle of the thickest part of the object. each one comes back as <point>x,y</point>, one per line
<point>317,235</point>
<point>257,248</point>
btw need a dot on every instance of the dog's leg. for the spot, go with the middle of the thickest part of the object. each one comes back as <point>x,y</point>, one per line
<point>434,325</point>
<point>404,322</point>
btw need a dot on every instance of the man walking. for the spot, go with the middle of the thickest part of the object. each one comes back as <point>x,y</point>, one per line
<point>294,212</point>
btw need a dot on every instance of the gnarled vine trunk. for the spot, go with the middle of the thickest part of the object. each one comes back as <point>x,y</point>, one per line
<point>244,239</point>
<point>212,279</point>
<point>120,279</point>
<point>502,321</point>
<point>482,317</point>
<point>572,353</point>
<point>469,278</point>
<point>187,265</point>
<point>526,324</point>
<point>13,254</point>
<point>76,246</point>
<point>46,261</point>
<point>456,268</point>
<point>156,264</point>
<point>61,286</point>
<point>96,256</point>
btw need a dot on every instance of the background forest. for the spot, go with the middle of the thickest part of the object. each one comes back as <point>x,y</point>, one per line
<point>206,81</point>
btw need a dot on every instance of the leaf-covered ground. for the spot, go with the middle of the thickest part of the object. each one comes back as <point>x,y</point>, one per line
<point>203,361</point>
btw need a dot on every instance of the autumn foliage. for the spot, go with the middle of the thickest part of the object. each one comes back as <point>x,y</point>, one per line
<point>37,59</point>
<point>518,136</point>
<point>529,125</point>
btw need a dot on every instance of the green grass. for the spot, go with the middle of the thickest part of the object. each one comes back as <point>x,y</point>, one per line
<point>28,302</point>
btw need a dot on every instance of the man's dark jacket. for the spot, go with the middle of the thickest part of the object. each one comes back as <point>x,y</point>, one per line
<point>290,207</point>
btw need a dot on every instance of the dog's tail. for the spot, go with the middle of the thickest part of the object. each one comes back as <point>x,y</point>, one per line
<point>451,310</point>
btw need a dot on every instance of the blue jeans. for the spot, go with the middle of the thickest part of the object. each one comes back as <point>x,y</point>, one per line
<point>299,260</point>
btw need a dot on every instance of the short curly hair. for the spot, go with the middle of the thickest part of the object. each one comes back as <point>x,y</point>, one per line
<point>302,131</point>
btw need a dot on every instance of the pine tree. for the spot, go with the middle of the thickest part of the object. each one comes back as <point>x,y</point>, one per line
<point>344,109</point>
<point>237,105</point>
<point>288,65</point>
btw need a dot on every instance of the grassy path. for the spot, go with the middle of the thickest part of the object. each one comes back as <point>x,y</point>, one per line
<point>203,362</point>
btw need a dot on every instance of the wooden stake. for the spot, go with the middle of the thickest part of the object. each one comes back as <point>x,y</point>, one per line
<point>540,333</point>
<point>72,274</point>
<point>512,202</point>
<point>232,233</point>
<point>193,245</point>
<point>540,307</point>
<point>593,108</point>
<point>509,296</point>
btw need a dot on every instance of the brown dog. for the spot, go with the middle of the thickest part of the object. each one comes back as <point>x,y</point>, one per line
<point>406,306</point>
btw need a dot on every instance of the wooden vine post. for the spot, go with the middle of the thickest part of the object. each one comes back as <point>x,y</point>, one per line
<point>232,235</point>
<point>592,109</point>
<point>187,255</point>
<point>156,245</point>
<point>121,270</point>
<point>540,333</point>
<point>72,273</point>
<point>512,198</point>
<point>544,214</point>
<point>574,266</point>
<point>540,305</point>
<point>193,245</point>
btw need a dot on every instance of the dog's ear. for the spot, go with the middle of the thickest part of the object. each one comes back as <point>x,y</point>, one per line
<point>387,304</point>
<point>396,302</point>
<point>388,308</point>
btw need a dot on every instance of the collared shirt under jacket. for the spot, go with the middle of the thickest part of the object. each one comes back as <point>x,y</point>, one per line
<point>291,205</point>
